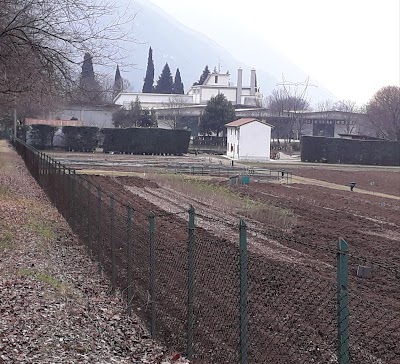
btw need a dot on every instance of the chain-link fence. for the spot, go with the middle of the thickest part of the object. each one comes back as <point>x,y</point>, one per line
<point>227,300</point>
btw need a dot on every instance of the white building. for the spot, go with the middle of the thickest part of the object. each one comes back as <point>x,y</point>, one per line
<point>248,139</point>
<point>216,83</point>
<point>150,101</point>
<point>219,83</point>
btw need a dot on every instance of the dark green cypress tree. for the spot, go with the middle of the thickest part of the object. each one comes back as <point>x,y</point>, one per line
<point>149,79</point>
<point>118,83</point>
<point>87,74</point>
<point>164,83</point>
<point>89,88</point>
<point>203,76</point>
<point>177,87</point>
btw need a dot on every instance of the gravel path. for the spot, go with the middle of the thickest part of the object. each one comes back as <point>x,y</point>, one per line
<point>54,305</point>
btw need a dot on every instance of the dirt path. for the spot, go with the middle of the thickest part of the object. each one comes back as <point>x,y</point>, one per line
<point>316,182</point>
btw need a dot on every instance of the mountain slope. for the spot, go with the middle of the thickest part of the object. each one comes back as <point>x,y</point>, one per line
<point>190,50</point>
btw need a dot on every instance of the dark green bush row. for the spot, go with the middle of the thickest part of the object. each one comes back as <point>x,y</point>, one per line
<point>146,141</point>
<point>209,140</point>
<point>80,138</point>
<point>40,136</point>
<point>348,151</point>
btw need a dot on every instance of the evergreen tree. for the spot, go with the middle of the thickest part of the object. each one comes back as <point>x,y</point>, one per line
<point>135,112</point>
<point>87,74</point>
<point>118,83</point>
<point>149,79</point>
<point>147,119</point>
<point>218,112</point>
<point>136,116</point>
<point>203,76</point>
<point>177,87</point>
<point>89,87</point>
<point>164,83</point>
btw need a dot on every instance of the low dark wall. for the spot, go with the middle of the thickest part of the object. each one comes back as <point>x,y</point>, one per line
<point>146,141</point>
<point>348,151</point>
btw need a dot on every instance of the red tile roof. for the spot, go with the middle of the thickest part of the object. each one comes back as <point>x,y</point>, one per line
<point>241,122</point>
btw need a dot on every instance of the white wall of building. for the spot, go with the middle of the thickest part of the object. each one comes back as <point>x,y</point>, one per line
<point>101,118</point>
<point>208,92</point>
<point>232,142</point>
<point>217,79</point>
<point>251,141</point>
<point>151,100</point>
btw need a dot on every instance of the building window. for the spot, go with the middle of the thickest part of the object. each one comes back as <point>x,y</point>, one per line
<point>216,79</point>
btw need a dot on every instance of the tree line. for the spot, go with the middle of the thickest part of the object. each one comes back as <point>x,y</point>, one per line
<point>165,83</point>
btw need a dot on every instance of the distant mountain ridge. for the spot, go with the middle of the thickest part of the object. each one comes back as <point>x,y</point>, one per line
<point>190,51</point>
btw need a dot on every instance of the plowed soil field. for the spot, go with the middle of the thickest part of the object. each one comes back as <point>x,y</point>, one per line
<point>292,233</point>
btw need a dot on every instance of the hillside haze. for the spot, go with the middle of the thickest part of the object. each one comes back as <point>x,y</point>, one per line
<point>190,50</point>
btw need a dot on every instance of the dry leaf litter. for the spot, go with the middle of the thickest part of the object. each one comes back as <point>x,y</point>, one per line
<point>54,305</point>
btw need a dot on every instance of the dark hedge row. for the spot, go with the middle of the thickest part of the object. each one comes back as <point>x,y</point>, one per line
<point>348,151</point>
<point>146,141</point>
<point>80,138</point>
<point>209,140</point>
<point>41,136</point>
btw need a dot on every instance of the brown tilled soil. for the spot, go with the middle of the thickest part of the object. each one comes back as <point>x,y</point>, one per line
<point>291,271</point>
<point>292,264</point>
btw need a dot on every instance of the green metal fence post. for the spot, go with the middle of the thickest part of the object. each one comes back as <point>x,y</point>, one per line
<point>243,291</point>
<point>113,262</point>
<point>190,283</point>
<point>40,163</point>
<point>89,233</point>
<point>342,302</point>
<point>73,198</point>
<point>80,205</point>
<point>48,166</point>
<point>129,258</point>
<point>152,276</point>
<point>99,227</point>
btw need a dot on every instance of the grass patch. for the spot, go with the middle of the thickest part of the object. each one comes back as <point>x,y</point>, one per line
<point>43,229</point>
<point>226,199</point>
<point>4,191</point>
<point>48,279</point>
<point>5,240</point>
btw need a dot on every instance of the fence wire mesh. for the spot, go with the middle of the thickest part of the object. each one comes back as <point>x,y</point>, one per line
<point>374,319</point>
<point>201,295</point>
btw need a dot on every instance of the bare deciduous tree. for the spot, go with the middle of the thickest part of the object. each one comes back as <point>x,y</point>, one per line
<point>175,109</point>
<point>42,43</point>
<point>384,112</point>
<point>349,109</point>
<point>290,99</point>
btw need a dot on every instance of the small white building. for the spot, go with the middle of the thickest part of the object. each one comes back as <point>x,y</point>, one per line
<point>248,139</point>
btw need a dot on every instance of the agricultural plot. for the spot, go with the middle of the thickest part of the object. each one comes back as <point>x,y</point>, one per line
<point>292,233</point>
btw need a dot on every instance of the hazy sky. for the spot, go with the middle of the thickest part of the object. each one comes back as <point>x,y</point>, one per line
<point>350,46</point>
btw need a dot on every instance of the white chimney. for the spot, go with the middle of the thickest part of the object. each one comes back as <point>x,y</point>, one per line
<point>239,87</point>
<point>253,82</point>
